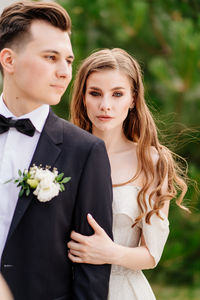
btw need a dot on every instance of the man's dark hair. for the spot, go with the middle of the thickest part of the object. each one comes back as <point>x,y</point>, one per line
<point>16,19</point>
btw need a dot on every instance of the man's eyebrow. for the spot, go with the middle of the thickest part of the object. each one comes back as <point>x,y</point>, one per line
<point>51,50</point>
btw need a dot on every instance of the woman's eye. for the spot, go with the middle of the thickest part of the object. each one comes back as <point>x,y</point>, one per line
<point>95,94</point>
<point>117,94</point>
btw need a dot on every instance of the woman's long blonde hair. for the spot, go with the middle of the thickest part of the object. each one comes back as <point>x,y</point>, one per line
<point>138,127</point>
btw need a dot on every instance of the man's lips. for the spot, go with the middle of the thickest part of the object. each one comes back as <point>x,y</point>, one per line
<point>58,86</point>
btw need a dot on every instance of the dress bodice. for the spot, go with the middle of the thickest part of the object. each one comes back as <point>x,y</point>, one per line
<point>125,211</point>
<point>124,283</point>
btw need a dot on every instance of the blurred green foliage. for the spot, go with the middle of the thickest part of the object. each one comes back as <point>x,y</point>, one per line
<point>164,36</point>
<point>166,292</point>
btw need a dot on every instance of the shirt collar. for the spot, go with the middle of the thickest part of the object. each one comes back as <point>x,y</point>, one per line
<point>37,116</point>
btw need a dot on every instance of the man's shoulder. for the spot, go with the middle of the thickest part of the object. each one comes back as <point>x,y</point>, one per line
<point>76,134</point>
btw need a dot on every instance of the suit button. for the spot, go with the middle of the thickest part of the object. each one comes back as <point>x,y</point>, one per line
<point>8,266</point>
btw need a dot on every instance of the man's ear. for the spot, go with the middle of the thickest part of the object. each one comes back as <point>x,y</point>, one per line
<point>7,58</point>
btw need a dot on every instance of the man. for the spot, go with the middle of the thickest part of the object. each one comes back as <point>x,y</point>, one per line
<point>36,59</point>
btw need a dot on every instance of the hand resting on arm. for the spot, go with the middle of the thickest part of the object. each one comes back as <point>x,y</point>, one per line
<point>100,249</point>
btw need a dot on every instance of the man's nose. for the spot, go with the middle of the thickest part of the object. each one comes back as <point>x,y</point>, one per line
<point>64,70</point>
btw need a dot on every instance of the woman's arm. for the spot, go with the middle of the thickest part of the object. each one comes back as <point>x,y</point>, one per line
<point>100,249</point>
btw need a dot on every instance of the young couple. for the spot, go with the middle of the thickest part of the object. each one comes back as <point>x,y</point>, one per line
<point>62,249</point>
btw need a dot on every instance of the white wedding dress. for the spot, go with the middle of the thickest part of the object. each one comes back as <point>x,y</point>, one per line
<point>126,284</point>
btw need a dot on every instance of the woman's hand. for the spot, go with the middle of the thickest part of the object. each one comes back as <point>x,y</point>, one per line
<point>95,249</point>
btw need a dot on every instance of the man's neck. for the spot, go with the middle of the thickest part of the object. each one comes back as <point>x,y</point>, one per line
<point>17,105</point>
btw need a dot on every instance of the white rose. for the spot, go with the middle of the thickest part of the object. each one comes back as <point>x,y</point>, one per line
<point>41,174</point>
<point>46,190</point>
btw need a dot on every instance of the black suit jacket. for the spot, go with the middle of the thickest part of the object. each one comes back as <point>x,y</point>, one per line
<point>34,261</point>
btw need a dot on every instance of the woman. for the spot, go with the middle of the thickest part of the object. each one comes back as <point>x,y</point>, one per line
<point>108,101</point>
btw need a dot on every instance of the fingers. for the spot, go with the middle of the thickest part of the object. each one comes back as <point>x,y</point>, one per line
<point>82,238</point>
<point>78,257</point>
<point>74,259</point>
<point>96,227</point>
<point>74,246</point>
<point>77,237</point>
<point>76,253</point>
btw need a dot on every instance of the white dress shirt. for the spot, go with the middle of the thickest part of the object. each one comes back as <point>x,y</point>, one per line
<point>16,152</point>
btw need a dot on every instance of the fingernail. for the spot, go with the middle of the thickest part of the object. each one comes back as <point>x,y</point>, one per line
<point>90,216</point>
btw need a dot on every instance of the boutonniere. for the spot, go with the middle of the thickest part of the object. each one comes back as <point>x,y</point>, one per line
<point>46,184</point>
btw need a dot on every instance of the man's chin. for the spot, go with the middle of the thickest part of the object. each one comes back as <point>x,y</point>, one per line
<point>55,101</point>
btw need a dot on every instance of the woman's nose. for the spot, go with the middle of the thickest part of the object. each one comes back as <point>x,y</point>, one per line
<point>105,104</point>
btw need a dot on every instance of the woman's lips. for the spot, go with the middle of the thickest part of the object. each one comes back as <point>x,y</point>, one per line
<point>104,118</point>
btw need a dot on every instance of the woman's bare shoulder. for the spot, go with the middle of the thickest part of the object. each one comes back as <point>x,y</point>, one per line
<point>154,155</point>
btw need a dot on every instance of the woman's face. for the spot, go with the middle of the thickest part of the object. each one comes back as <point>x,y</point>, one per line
<point>108,97</point>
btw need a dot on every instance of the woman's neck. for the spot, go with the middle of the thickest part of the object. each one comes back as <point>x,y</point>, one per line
<point>114,140</point>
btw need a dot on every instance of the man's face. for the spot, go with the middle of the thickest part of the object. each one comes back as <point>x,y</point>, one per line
<point>43,68</point>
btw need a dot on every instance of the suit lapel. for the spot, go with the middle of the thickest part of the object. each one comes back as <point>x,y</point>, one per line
<point>46,153</point>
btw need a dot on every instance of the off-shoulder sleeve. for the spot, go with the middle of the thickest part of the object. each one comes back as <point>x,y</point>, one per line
<point>155,235</point>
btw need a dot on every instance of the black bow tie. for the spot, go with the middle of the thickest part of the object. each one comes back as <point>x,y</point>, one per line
<point>24,126</point>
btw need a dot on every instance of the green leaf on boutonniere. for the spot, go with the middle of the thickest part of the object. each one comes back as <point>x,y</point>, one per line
<point>66,179</point>
<point>28,191</point>
<point>21,192</point>
<point>62,187</point>
<point>59,177</point>
<point>20,173</point>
